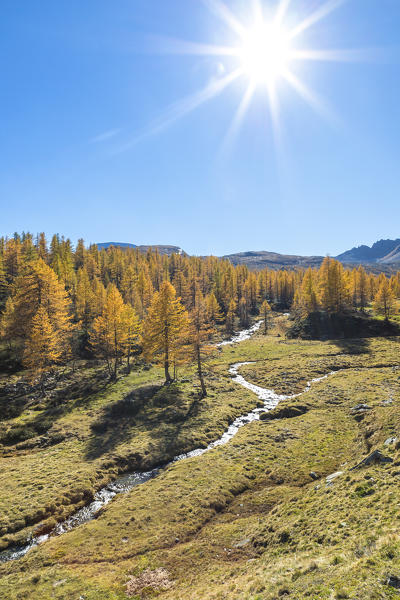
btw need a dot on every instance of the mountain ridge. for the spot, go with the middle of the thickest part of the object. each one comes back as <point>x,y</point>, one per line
<point>383,255</point>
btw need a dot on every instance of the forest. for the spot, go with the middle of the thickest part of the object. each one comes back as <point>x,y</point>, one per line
<point>59,303</point>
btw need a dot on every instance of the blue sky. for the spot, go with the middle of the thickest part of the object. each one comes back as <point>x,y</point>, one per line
<point>85,84</point>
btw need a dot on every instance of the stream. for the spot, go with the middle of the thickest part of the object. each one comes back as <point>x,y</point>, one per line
<point>127,482</point>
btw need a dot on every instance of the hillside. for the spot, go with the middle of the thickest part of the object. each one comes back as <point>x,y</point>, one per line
<point>383,256</point>
<point>161,248</point>
<point>272,260</point>
<point>384,252</point>
<point>280,510</point>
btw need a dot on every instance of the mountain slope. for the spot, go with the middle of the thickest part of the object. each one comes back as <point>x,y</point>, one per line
<point>383,251</point>
<point>161,248</point>
<point>273,260</point>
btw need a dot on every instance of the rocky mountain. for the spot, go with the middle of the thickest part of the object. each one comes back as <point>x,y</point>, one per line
<point>273,260</point>
<point>382,252</point>
<point>381,256</point>
<point>162,248</point>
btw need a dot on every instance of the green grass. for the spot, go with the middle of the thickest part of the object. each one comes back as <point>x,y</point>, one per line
<point>244,521</point>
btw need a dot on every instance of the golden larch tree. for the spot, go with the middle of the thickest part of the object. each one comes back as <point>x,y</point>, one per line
<point>265,311</point>
<point>164,327</point>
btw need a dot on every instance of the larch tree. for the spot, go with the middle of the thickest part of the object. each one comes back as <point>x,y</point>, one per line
<point>200,332</point>
<point>230,318</point>
<point>244,317</point>
<point>42,348</point>
<point>37,285</point>
<point>132,326</point>
<point>164,327</point>
<point>384,300</point>
<point>113,330</point>
<point>4,288</point>
<point>265,311</point>
<point>213,309</point>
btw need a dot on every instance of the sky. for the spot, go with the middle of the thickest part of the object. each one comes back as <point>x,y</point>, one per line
<point>98,139</point>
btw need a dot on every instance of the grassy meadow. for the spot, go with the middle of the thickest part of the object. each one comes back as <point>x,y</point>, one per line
<point>255,519</point>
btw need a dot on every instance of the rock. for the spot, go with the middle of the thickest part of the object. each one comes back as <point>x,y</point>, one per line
<point>362,407</point>
<point>375,458</point>
<point>242,543</point>
<point>390,441</point>
<point>286,412</point>
<point>393,581</point>
<point>313,475</point>
<point>333,476</point>
<point>387,402</point>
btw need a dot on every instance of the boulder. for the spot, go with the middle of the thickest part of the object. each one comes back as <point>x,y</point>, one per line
<point>330,478</point>
<point>376,457</point>
<point>393,581</point>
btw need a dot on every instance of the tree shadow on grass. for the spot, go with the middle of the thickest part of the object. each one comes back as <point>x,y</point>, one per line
<point>172,419</point>
<point>115,424</point>
<point>353,347</point>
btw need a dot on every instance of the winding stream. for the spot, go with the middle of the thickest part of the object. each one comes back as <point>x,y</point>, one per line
<point>127,482</point>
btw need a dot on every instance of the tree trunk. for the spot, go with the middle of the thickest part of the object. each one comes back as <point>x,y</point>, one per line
<point>168,377</point>
<point>200,374</point>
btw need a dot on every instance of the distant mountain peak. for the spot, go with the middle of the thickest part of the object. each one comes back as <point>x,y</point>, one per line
<point>383,251</point>
<point>161,248</point>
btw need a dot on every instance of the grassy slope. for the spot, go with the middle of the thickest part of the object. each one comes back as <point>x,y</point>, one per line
<point>245,521</point>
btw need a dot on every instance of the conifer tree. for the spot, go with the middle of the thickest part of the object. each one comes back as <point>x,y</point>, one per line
<point>265,311</point>
<point>200,332</point>
<point>213,309</point>
<point>164,327</point>
<point>244,317</point>
<point>230,318</point>
<point>113,331</point>
<point>3,285</point>
<point>384,299</point>
<point>308,292</point>
<point>131,326</point>
<point>43,348</point>
<point>37,286</point>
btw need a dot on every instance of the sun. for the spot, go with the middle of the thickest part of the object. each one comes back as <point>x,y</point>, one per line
<point>265,53</point>
<point>264,50</point>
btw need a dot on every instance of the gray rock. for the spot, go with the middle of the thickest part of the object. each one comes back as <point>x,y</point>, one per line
<point>363,407</point>
<point>313,475</point>
<point>393,581</point>
<point>390,441</point>
<point>242,543</point>
<point>333,476</point>
<point>375,458</point>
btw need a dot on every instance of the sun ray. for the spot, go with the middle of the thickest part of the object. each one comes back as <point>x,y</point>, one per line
<point>316,16</point>
<point>350,55</point>
<point>181,108</point>
<point>167,45</point>
<point>222,11</point>
<point>238,119</point>
<point>273,104</point>
<point>315,101</point>
<point>265,53</point>
<point>281,12</point>
<point>257,11</point>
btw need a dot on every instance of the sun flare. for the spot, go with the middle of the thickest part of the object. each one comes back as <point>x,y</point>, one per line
<point>265,53</point>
